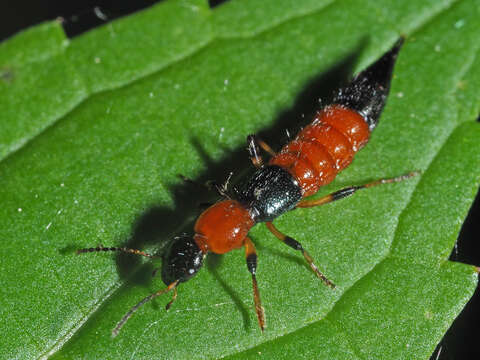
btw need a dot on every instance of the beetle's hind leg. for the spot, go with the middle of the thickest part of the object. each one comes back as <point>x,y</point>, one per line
<point>297,246</point>
<point>349,191</point>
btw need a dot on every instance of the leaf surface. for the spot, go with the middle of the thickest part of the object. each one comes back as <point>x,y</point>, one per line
<point>97,129</point>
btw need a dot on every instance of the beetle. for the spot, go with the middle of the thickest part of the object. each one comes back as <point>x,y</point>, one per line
<point>310,160</point>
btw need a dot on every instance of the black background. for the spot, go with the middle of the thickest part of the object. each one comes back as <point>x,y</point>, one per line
<point>460,342</point>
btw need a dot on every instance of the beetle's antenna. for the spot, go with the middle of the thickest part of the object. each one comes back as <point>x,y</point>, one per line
<point>100,248</point>
<point>129,314</point>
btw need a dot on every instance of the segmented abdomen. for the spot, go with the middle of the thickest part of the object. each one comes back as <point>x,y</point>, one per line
<point>323,148</point>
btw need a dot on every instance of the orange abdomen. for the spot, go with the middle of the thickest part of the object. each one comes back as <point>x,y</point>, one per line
<point>324,147</point>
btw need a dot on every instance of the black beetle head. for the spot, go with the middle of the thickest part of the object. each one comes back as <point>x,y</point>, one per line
<point>182,260</point>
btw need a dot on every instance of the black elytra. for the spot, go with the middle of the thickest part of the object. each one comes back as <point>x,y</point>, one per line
<point>269,192</point>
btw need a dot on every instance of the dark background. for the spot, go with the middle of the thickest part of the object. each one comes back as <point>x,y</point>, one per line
<point>461,340</point>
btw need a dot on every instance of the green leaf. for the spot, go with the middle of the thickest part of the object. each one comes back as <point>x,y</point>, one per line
<point>95,131</point>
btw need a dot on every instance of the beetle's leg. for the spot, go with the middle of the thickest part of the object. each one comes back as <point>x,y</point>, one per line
<point>297,246</point>
<point>253,142</point>
<point>348,191</point>
<point>222,189</point>
<point>118,249</point>
<point>251,256</point>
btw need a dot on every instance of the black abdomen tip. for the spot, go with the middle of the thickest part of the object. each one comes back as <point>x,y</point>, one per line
<point>367,92</point>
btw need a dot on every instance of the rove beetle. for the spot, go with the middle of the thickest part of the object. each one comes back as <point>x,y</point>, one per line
<point>312,159</point>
